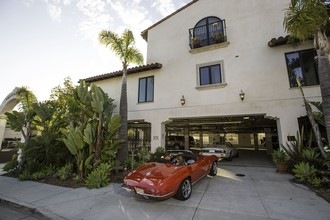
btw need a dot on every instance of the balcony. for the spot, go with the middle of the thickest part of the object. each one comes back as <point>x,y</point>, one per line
<point>205,35</point>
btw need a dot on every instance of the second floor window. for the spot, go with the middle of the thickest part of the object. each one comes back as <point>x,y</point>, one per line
<point>303,65</point>
<point>210,73</point>
<point>146,89</point>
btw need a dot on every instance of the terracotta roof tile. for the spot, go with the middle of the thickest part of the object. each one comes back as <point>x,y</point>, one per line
<point>278,41</point>
<point>137,69</point>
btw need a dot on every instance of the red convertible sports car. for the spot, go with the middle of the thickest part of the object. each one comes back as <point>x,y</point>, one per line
<point>162,180</point>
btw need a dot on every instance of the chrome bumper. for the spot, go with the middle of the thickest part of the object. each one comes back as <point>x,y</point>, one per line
<point>145,195</point>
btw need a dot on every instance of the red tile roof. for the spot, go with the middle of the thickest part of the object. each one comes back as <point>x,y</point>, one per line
<point>278,41</point>
<point>137,69</point>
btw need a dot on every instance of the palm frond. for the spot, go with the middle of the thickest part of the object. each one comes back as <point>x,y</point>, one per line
<point>123,46</point>
<point>111,39</point>
<point>134,56</point>
<point>304,18</point>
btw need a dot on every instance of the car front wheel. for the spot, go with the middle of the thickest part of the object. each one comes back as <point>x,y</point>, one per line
<point>214,169</point>
<point>184,191</point>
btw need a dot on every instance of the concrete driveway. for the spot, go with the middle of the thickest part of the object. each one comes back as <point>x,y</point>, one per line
<point>259,193</point>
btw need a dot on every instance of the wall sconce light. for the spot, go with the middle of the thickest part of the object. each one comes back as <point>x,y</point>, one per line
<point>242,95</point>
<point>183,100</point>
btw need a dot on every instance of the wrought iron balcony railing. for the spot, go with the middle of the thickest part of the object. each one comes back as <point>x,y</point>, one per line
<point>205,35</point>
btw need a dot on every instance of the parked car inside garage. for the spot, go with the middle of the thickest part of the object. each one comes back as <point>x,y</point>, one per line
<point>176,142</point>
<point>225,150</point>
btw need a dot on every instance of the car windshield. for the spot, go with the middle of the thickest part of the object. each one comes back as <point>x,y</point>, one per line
<point>179,157</point>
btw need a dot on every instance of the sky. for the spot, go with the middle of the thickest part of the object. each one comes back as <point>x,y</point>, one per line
<point>44,41</point>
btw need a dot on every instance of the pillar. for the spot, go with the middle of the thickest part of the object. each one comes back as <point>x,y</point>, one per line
<point>201,138</point>
<point>255,139</point>
<point>268,139</point>
<point>3,123</point>
<point>186,138</point>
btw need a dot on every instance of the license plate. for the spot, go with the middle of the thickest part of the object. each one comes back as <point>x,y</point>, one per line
<point>139,191</point>
<point>212,151</point>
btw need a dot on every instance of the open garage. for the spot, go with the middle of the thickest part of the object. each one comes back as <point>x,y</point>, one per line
<point>255,136</point>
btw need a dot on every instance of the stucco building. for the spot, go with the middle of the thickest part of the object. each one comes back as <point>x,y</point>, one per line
<point>218,71</point>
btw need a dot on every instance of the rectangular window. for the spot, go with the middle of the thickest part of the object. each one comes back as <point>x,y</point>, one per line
<point>210,74</point>
<point>302,64</point>
<point>146,89</point>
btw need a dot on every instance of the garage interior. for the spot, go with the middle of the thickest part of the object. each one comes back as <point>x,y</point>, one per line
<point>255,136</point>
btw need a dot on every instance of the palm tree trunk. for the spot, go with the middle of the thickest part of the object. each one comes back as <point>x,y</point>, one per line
<point>123,135</point>
<point>322,45</point>
<point>324,76</point>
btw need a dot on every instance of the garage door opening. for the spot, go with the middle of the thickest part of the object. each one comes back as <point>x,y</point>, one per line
<point>252,135</point>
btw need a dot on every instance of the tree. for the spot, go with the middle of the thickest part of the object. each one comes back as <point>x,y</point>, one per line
<point>307,19</point>
<point>124,47</point>
<point>22,121</point>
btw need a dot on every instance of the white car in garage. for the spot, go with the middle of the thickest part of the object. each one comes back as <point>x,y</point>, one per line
<point>225,150</point>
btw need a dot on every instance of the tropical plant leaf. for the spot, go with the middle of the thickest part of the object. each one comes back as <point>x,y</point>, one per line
<point>97,99</point>
<point>15,120</point>
<point>114,125</point>
<point>89,134</point>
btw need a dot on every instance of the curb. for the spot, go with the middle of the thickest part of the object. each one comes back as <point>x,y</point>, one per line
<point>20,208</point>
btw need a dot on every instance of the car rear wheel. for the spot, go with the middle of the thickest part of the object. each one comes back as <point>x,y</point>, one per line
<point>184,191</point>
<point>214,169</point>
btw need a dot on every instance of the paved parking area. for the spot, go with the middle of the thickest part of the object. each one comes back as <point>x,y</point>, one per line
<point>258,194</point>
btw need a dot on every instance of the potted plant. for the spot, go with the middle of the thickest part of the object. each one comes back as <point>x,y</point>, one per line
<point>218,37</point>
<point>280,159</point>
<point>196,42</point>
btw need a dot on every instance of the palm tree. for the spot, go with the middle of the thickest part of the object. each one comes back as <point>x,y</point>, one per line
<point>307,19</point>
<point>124,47</point>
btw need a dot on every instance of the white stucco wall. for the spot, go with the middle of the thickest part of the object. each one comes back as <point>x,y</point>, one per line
<point>249,65</point>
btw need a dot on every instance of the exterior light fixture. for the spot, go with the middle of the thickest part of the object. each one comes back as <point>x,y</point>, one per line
<point>242,95</point>
<point>183,100</point>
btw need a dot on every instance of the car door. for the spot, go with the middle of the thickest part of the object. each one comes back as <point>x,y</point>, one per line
<point>199,168</point>
<point>203,164</point>
<point>196,172</point>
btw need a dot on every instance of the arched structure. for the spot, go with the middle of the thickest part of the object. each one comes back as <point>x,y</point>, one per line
<point>7,105</point>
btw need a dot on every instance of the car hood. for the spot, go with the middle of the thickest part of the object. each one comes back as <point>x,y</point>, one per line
<point>151,174</point>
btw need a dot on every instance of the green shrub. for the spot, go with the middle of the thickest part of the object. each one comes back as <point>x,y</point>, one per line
<point>326,161</point>
<point>11,166</point>
<point>160,151</point>
<point>143,154</point>
<point>310,154</point>
<point>304,171</point>
<point>25,175</point>
<point>65,172</point>
<point>99,177</point>
<point>49,170</point>
<point>279,156</point>
<point>316,182</point>
<point>38,175</point>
